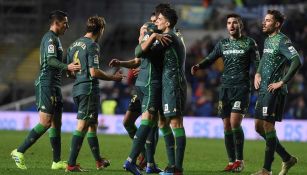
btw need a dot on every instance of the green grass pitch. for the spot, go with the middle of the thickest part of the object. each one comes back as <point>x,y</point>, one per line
<point>203,156</point>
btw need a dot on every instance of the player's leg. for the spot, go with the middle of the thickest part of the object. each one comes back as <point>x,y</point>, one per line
<point>142,132</point>
<point>45,106</point>
<point>180,139</point>
<point>133,112</point>
<point>83,102</point>
<point>93,142</point>
<point>55,133</point>
<point>238,137</point>
<point>229,143</point>
<point>169,139</point>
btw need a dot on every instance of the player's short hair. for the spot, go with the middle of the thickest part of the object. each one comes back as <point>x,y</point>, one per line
<point>277,16</point>
<point>160,7</point>
<point>95,24</point>
<point>234,15</point>
<point>171,15</point>
<point>57,15</point>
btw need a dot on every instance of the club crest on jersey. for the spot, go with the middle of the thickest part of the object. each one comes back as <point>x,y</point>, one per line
<point>237,105</point>
<point>51,48</point>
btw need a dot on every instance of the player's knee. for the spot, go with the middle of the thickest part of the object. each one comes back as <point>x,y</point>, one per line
<point>176,122</point>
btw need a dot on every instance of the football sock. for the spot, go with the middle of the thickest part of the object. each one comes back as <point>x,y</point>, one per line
<point>131,129</point>
<point>140,139</point>
<point>150,146</point>
<point>230,146</point>
<point>180,146</point>
<point>270,149</point>
<point>169,143</point>
<point>156,136</point>
<point>238,136</point>
<point>280,150</point>
<point>55,140</point>
<point>94,145</point>
<point>76,143</point>
<point>32,137</point>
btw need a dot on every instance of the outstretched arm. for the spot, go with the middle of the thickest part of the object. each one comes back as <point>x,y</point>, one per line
<point>133,63</point>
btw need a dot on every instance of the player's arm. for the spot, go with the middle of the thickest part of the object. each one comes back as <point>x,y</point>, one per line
<point>286,49</point>
<point>52,60</point>
<point>254,55</point>
<point>133,63</point>
<point>93,63</point>
<point>164,40</point>
<point>207,61</point>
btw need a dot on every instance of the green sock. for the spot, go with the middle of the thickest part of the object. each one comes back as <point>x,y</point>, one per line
<point>238,136</point>
<point>280,150</point>
<point>269,150</point>
<point>230,146</point>
<point>55,140</point>
<point>94,145</point>
<point>131,129</point>
<point>169,143</point>
<point>76,143</point>
<point>151,145</point>
<point>140,139</point>
<point>32,137</point>
<point>180,146</point>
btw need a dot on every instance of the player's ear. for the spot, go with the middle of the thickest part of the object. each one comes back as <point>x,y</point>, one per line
<point>168,24</point>
<point>277,24</point>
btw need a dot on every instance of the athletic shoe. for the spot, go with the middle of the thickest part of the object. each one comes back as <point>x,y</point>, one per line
<point>19,159</point>
<point>238,166</point>
<point>75,168</point>
<point>60,165</point>
<point>171,170</point>
<point>287,165</point>
<point>153,169</point>
<point>102,164</point>
<point>263,172</point>
<point>228,168</point>
<point>132,168</point>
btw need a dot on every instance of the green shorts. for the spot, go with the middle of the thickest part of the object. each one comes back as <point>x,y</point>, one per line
<point>150,98</point>
<point>270,106</point>
<point>48,99</point>
<point>174,99</point>
<point>88,107</point>
<point>233,100</point>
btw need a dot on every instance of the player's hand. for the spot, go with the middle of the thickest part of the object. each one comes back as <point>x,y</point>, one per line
<point>118,75</point>
<point>257,81</point>
<point>164,39</point>
<point>74,66</point>
<point>135,72</point>
<point>114,63</point>
<point>194,69</point>
<point>272,87</point>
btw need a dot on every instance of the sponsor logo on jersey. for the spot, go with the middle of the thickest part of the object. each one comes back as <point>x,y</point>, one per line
<point>265,111</point>
<point>292,50</point>
<point>237,105</point>
<point>51,48</point>
<point>268,50</point>
<point>227,52</point>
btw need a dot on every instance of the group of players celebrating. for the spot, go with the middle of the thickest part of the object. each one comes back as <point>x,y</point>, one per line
<point>160,88</point>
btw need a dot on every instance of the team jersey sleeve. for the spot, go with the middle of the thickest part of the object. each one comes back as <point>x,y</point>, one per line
<point>50,47</point>
<point>93,56</point>
<point>214,55</point>
<point>254,54</point>
<point>287,50</point>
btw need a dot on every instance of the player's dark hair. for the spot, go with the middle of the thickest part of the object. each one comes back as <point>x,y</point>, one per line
<point>57,15</point>
<point>171,15</point>
<point>160,7</point>
<point>277,16</point>
<point>234,15</point>
<point>95,24</point>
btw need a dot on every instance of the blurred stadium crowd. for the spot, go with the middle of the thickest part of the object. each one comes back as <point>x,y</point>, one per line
<point>203,88</point>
